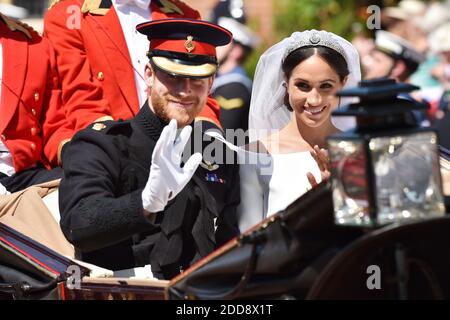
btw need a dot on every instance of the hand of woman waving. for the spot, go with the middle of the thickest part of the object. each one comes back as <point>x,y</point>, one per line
<point>323,161</point>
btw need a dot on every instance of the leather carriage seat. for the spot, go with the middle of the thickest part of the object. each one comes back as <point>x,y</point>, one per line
<point>34,212</point>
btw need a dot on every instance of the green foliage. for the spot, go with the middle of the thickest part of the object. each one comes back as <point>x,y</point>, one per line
<point>252,60</point>
<point>337,16</point>
<point>343,17</point>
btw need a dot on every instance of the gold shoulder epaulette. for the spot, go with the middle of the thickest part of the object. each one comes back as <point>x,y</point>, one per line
<point>93,7</point>
<point>98,126</point>
<point>52,3</point>
<point>170,6</point>
<point>15,25</point>
<point>230,104</point>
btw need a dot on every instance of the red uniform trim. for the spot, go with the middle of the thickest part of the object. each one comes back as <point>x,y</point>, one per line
<point>29,256</point>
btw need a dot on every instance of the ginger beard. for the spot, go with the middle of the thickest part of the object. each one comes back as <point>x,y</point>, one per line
<point>168,107</point>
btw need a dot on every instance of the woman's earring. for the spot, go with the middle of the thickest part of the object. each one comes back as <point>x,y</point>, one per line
<point>284,84</point>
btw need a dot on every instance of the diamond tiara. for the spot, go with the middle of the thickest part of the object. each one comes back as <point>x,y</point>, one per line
<point>314,38</point>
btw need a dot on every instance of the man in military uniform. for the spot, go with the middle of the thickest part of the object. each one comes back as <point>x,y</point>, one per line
<point>101,58</point>
<point>32,123</point>
<point>392,57</point>
<point>125,199</point>
<point>233,88</point>
<point>396,58</point>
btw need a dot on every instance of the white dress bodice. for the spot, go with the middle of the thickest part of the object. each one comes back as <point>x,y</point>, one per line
<point>271,182</point>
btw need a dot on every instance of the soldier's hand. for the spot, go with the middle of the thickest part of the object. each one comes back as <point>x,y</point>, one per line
<point>167,178</point>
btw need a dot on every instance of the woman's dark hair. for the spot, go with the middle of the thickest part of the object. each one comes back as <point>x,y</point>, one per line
<point>332,57</point>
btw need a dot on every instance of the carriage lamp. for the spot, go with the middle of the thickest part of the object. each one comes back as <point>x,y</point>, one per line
<point>387,168</point>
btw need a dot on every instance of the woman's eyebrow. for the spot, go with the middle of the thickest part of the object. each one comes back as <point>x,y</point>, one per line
<point>301,79</point>
<point>326,80</point>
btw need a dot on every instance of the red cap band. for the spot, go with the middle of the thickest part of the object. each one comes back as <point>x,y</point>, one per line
<point>183,46</point>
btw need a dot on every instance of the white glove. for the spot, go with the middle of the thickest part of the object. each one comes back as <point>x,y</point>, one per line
<point>167,178</point>
<point>3,191</point>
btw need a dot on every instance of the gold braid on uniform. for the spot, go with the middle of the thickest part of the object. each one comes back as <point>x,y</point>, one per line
<point>15,25</point>
<point>52,3</point>
<point>91,6</point>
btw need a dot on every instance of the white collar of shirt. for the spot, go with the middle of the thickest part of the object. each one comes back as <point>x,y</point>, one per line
<point>129,16</point>
<point>143,4</point>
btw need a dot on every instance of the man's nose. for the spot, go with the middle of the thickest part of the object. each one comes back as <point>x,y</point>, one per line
<point>185,85</point>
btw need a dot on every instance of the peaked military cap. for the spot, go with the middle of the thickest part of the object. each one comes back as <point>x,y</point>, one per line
<point>397,47</point>
<point>184,47</point>
<point>241,33</point>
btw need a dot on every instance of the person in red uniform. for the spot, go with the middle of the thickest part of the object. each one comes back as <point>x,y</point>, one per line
<point>32,124</point>
<point>101,58</point>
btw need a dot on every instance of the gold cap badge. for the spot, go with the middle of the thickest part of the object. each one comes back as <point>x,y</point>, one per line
<point>189,44</point>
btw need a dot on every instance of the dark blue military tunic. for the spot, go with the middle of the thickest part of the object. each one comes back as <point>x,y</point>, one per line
<point>106,167</point>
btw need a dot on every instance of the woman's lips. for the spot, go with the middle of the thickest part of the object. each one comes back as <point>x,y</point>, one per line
<point>315,110</point>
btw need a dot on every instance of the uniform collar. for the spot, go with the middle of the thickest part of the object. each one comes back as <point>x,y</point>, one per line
<point>150,123</point>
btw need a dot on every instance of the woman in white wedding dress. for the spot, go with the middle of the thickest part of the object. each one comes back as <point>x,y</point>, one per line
<point>290,116</point>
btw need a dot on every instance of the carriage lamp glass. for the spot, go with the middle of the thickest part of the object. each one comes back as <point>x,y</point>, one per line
<point>387,169</point>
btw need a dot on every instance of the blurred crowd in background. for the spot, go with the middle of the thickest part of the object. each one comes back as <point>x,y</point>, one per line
<point>425,27</point>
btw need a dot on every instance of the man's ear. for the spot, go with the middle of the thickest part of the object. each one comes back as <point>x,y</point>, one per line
<point>210,82</point>
<point>398,69</point>
<point>148,75</point>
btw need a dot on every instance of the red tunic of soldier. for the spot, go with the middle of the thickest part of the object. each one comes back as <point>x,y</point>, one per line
<point>32,124</point>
